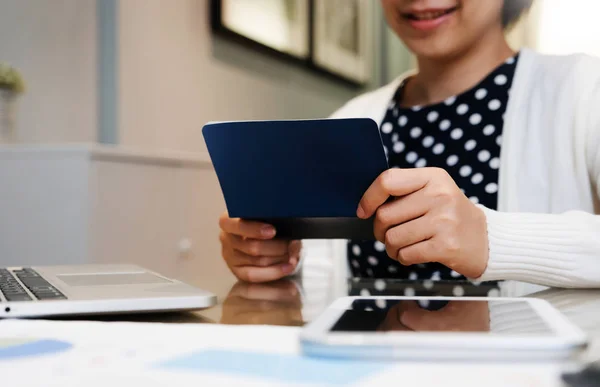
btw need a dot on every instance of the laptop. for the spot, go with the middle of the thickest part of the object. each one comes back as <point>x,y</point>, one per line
<point>42,291</point>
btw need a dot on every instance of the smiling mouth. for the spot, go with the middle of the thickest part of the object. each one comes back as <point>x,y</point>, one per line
<point>429,15</point>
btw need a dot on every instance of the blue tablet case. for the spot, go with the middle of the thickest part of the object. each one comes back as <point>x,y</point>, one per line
<point>306,177</point>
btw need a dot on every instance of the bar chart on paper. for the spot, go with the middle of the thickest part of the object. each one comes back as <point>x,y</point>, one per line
<point>22,348</point>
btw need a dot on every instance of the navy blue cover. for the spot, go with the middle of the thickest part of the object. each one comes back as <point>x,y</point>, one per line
<point>289,169</point>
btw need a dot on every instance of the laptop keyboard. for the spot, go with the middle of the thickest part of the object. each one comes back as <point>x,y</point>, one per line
<point>35,283</point>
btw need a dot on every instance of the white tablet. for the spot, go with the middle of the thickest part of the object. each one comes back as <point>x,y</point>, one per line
<point>442,328</point>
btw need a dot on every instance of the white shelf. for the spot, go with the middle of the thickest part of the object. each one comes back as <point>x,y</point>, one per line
<point>87,203</point>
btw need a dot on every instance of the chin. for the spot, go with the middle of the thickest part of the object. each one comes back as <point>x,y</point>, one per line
<point>439,50</point>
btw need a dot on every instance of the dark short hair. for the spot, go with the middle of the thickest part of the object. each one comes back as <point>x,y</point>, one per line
<point>513,10</point>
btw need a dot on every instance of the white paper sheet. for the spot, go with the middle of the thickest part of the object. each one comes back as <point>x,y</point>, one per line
<point>106,354</point>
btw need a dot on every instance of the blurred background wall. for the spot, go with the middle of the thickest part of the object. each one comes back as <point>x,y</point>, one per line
<point>149,73</point>
<point>175,76</point>
<point>54,44</point>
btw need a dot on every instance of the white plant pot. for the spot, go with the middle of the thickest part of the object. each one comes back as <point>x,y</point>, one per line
<point>8,113</point>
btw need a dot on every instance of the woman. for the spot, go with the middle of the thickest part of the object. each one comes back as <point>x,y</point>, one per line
<point>497,157</point>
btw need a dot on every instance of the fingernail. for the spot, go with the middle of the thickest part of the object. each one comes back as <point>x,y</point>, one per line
<point>287,268</point>
<point>360,212</point>
<point>267,231</point>
<point>293,260</point>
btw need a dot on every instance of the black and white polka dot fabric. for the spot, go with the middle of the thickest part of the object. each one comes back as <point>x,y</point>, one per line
<point>463,135</point>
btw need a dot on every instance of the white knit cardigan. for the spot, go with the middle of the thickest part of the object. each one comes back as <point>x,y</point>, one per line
<point>545,230</point>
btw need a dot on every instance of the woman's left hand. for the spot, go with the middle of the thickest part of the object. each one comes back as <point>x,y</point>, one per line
<point>428,219</point>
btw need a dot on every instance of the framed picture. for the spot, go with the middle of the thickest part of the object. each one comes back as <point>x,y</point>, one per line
<point>281,26</point>
<point>342,37</point>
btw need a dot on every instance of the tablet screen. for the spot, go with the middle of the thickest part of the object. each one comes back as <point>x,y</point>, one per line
<point>386,315</point>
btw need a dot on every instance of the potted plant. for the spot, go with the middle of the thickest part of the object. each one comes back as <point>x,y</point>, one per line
<point>11,85</point>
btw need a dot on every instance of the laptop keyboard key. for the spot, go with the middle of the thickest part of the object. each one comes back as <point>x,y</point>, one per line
<point>18,297</point>
<point>15,291</point>
<point>35,283</point>
<point>38,288</point>
<point>51,297</point>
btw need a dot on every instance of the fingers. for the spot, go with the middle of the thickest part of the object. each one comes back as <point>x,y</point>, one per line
<point>400,211</point>
<point>407,234</point>
<point>263,274</point>
<point>393,182</point>
<point>251,254</point>
<point>246,228</point>
<point>419,319</point>
<point>257,247</point>
<point>429,220</point>
<point>421,252</point>
<point>238,258</point>
<point>283,291</point>
<point>294,249</point>
<point>471,318</point>
<point>256,260</point>
<point>392,319</point>
<point>240,252</point>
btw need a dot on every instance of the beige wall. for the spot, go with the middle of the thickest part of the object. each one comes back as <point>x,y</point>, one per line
<point>524,33</point>
<point>174,76</point>
<point>53,43</point>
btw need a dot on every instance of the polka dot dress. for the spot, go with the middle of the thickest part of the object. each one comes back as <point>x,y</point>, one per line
<point>463,135</point>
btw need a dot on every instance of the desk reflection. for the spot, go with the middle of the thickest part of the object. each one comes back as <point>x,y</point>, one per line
<point>455,316</point>
<point>397,287</point>
<point>275,303</point>
<point>289,303</point>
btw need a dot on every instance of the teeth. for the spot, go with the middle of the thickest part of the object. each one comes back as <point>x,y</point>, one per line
<point>429,15</point>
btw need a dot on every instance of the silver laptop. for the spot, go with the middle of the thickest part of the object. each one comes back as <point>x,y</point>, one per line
<point>93,289</point>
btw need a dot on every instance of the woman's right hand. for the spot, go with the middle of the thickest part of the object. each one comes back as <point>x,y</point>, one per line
<point>251,252</point>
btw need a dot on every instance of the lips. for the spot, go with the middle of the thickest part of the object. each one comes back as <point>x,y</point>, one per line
<point>428,14</point>
<point>428,21</point>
